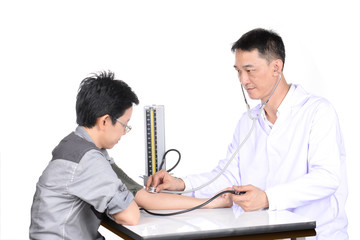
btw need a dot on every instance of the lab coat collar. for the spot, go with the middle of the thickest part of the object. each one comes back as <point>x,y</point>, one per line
<point>284,107</point>
<point>287,101</point>
<point>293,101</point>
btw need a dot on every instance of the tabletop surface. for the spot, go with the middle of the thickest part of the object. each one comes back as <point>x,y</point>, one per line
<point>215,223</point>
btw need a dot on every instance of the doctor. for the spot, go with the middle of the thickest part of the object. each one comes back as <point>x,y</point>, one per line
<point>294,159</point>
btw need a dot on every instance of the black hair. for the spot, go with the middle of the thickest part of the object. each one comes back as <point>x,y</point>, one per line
<point>102,94</point>
<point>268,43</point>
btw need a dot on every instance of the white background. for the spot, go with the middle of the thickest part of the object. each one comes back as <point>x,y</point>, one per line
<point>175,53</point>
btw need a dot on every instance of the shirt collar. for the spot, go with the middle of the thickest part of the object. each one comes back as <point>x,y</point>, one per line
<point>81,132</point>
<point>263,115</point>
<point>285,104</point>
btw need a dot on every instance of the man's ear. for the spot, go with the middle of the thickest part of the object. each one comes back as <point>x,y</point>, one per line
<point>277,65</point>
<point>102,121</point>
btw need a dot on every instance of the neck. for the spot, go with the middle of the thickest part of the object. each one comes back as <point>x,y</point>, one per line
<point>275,100</point>
<point>94,136</point>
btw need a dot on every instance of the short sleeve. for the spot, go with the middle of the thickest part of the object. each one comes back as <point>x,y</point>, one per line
<point>96,183</point>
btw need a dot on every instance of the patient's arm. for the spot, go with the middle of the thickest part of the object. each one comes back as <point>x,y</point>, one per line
<point>157,201</point>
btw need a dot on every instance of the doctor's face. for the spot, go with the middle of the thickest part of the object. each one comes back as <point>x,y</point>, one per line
<point>255,74</point>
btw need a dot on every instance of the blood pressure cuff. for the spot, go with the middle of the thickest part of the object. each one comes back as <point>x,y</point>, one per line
<point>130,184</point>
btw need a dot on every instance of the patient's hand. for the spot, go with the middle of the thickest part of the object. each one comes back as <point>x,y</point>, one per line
<point>223,201</point>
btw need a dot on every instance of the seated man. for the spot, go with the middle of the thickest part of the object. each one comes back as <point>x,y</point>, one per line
<point>79,184</point>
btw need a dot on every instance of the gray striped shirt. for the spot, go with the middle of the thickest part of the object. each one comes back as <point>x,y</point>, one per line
<point>75,189</point>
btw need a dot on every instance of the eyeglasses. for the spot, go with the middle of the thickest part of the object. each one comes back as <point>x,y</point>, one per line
<point>127,127</point>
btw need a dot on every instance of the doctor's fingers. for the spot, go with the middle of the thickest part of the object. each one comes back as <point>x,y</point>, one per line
<point>149,182</point>
<point>246,202</point>
<point>252,200</point>
<point>241,200</point>
<point>163,186</point>
<point>156,179</point>
<point>152,181</point>
<point>245,188</point>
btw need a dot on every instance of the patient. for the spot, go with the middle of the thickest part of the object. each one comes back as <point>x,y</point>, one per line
<point>82,183</point>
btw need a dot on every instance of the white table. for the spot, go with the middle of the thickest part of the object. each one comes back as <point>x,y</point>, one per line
<point>223,223</point>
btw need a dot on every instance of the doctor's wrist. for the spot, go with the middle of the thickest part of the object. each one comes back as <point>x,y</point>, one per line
<point>180,184</point>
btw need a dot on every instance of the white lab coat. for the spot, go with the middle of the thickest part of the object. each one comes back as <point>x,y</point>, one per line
<point>299,162</point>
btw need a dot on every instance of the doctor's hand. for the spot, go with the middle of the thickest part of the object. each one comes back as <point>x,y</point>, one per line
<point>163,180</point>
<point>253,199</point>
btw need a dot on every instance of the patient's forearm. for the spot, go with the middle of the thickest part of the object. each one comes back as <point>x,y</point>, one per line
<point>156,201</point>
